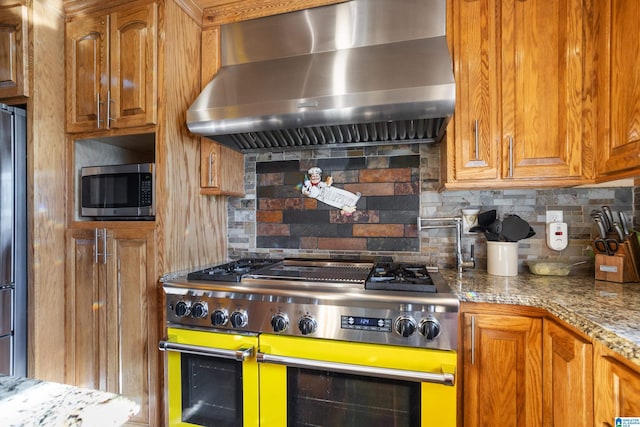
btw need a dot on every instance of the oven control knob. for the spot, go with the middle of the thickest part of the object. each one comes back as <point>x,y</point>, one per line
<point>279,322</point>
<point>307,324</point>
<point>405,326</point>
<point>182,308</point>
<point>429,328</point>
<point>239,319</point>
<point>199,310</point>
<point>219,317</point>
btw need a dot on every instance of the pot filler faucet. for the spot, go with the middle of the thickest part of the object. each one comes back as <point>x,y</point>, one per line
<point>455,223</point>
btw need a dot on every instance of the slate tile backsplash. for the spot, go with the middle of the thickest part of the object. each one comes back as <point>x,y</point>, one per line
<point>398,183</point>
<point>385,219</point>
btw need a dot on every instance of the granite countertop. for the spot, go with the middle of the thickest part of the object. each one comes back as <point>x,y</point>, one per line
<point>28,402</point>
<point>605,311</point>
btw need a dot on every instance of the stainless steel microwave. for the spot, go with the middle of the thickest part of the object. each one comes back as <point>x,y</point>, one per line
<point>118,191</point>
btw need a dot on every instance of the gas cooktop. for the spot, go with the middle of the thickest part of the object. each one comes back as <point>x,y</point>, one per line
<point>386,276</point>
<point>363,301</point>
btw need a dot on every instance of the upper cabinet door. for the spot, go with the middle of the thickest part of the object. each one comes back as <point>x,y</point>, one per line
<point>542,88</point>
<point>87,65</point>
<point>14,79</point>
<point>523,112</point>
<point>111,62</point>
<point>620,80</point>
<point>134,83</point>
<point>476,52</point>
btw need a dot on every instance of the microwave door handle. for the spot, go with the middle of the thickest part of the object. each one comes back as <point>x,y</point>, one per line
<point>239,355</point>
<point>443,378</point>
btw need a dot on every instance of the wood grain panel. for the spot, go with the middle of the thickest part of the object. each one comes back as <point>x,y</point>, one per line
<point>210,54</point>
<point>568,378</point>
<point>616,385</point>
<point>226,12</point>
<point>133,53</point>
<point>502,370</point>
<point>192,229</point>
<point>47,202</point>
<point>14,57</point>
<point>620,85</point>
<point>131,331</point>
<point>86,311</point>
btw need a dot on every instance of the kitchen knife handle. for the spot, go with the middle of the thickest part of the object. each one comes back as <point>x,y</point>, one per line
<point>618,229</point>
<point>608,216</point>
<point>624,223</point>
<point>601,227</point>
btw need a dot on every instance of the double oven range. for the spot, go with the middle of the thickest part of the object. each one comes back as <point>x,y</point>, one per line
<point>299,342</point>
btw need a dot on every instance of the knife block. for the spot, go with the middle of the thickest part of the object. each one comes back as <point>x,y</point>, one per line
<point>620,267</point>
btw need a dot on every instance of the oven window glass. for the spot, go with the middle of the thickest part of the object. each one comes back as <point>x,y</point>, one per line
<point>320,398</point>
<point>211,391</point>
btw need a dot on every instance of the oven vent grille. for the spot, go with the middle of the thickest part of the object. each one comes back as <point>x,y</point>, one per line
<point>422,130</point>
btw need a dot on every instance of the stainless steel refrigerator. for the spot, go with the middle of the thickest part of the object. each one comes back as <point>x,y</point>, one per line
<point>13,240</point>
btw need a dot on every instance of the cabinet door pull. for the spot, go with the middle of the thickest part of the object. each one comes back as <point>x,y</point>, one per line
<point>97,235</point>
<point>109,101</point>
<point>96,252</point>
<point>510,157</point>
<point>104,246</point>
<point>210,170</point>
<point>473,340</point>
<point>475,131</point>
<point>98,120</point>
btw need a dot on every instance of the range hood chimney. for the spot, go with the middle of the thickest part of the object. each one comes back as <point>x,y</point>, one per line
<point>361,72</point>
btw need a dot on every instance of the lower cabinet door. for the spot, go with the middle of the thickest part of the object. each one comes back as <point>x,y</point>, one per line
<point>568,378</point>
<point>617,387</point>
<point>502,370</point>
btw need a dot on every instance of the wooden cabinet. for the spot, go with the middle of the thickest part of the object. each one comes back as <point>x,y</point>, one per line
<point>14,42</point>
<point>502,363</point>
<point>112,314</point>
<point>617,387</point>
<point>568,377</point>
<point>521,99</point>
<point>221,169</point>
<point>111,69</point>
<point>620,97</point>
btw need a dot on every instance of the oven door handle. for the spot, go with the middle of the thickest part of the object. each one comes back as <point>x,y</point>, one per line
<point>443,378</point>
<point>239,355</point>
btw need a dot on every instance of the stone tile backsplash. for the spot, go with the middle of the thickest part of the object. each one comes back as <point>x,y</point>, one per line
<point>398,183</point>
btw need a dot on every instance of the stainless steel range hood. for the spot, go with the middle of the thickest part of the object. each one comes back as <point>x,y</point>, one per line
<point>359,73</point>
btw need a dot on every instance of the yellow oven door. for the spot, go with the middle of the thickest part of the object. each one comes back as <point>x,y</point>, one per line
<point>212,379</point>
<point>323,382</point>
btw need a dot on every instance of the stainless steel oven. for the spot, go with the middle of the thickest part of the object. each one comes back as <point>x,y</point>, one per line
<point>311,343</point>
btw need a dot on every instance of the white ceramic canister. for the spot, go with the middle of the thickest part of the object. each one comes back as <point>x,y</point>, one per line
<point>502,258</point>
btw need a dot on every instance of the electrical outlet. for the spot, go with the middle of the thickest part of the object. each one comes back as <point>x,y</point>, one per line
<point>554,216</point>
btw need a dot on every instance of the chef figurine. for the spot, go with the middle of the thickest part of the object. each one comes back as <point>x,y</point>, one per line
<point>315,188</point>
<point>313,183</point>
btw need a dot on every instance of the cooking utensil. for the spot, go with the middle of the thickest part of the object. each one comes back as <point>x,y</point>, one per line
<point>618,229</point>
<point>599,220</point>
<point>606,246</point>
<point>624,223</point>
<point>608,216</point>
<point>515,228</point>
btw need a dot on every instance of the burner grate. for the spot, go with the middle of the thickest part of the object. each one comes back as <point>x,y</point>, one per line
<point>231,271</point>
<point>400,277</point>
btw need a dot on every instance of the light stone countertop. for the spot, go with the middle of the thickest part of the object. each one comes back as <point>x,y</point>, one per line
<point>605,311</point>
<point>27,402</point>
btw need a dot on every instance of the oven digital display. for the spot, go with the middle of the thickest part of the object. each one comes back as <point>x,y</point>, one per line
<point>366,323</point>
